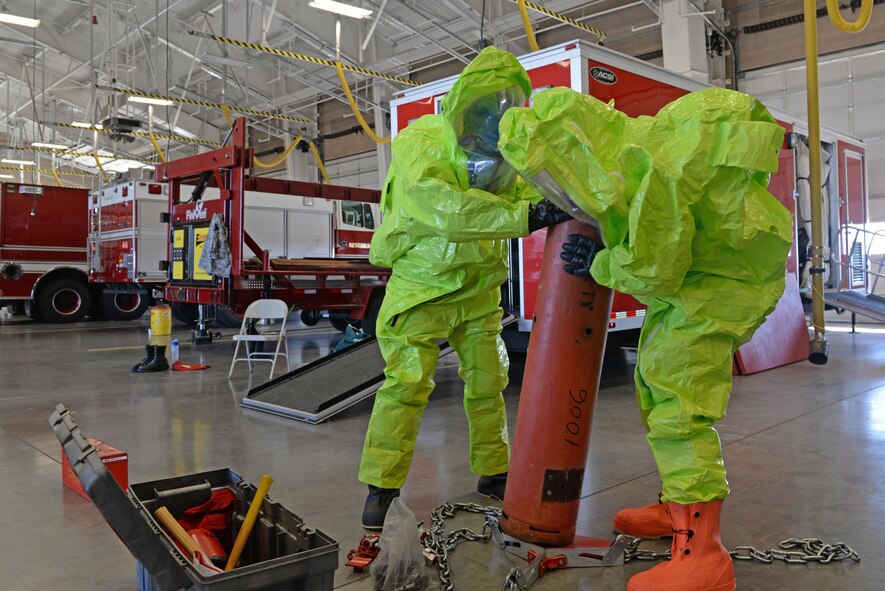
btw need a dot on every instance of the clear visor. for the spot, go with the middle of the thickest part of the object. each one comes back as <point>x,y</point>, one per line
<point>489,172</point>
<point>481,116</point>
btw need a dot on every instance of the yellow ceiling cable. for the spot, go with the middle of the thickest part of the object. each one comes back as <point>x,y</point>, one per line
<point>527,25</point>
<point>302,57</point>
<point>316,155</point>
<point>523,4</point>
<point>356,111</point>
<point>279,158</point>
<point>863,19</point>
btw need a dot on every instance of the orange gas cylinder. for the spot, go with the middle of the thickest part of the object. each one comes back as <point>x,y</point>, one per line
<point>559,388</point>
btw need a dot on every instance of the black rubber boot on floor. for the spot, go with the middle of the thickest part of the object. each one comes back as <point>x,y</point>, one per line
<point>149,352</point>
<point>492,487</point>
<point>377,504</point>
<point>157,363</point>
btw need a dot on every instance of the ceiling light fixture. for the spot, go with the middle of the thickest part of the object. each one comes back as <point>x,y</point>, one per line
<point>22,162</point>
<point>18,20</point>
<point>222,59</point>
<point>85,125</point>
<point>340,8</point>
<point>50,146</point>
<point>6,176</point>
<point>150,101</point>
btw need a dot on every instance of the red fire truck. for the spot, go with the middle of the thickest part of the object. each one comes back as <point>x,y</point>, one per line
<point>128,239</point>
<point>217,182</point>
<point>640,88</point>
<point>65,253</point>
<point>43,251</point>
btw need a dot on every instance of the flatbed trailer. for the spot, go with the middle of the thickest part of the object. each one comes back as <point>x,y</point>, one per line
<point>343,288</point>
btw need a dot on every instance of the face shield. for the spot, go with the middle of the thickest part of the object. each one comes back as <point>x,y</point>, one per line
<point>486,168</point>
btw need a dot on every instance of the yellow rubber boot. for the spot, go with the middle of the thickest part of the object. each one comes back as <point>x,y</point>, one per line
<point>699,560</point>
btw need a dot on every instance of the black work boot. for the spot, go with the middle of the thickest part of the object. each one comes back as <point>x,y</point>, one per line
<point>492,487</point>
<point>377,504</point>
<point>157,363</point>
<point>149,352</point>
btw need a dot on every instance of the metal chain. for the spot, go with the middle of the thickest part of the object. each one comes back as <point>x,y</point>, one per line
<point>438,543</point>
<point>791,550</point>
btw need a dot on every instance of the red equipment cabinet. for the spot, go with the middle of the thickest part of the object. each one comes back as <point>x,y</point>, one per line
<point>639,88</point>
<point>43,251</point>
<point>346,288</point>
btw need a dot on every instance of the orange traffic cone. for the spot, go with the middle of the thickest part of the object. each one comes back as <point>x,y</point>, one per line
<point>651,521</point>
<point>699,560</point>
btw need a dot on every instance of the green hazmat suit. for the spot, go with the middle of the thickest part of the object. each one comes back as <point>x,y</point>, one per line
<point>445,242</point>
<point>689,229</point>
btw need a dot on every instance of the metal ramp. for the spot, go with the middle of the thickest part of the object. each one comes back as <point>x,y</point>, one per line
<point>869,305</point>
<point>316,391</point>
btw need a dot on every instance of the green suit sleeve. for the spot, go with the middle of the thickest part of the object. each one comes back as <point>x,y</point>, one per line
<point>432,197</point>
<point>651,182</point>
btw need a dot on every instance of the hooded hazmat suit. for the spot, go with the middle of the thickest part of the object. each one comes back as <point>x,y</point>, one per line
<point>689,229</point>
<point>444,240</point>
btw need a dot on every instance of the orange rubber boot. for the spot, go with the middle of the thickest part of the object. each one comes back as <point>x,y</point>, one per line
<point>651,521</point>
<point>700,562</point>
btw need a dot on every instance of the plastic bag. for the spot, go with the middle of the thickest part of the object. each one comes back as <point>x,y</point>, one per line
<point>400,565</point>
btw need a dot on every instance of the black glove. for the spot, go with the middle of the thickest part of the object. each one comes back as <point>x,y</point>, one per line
<point>578,253</point>
<point>543,214</point>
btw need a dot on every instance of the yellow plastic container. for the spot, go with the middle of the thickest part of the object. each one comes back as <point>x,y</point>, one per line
<point>161,321</point>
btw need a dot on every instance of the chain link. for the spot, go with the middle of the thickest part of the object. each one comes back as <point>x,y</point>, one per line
<point>439,543</point>
<point>791,551</point>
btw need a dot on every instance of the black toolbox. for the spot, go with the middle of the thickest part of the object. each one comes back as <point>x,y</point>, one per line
<point>282,553</point>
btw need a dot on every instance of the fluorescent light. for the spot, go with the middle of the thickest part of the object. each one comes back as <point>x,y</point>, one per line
<point>6,176</point>
<point>50,146</point>
<point>222,59</point>
<point>19,20</point>
<point>85,125</point>
<point>22,162</point>
<point>150,101</point>
<point>340,8</point>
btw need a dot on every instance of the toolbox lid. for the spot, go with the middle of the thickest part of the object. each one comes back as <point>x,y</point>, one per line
<point>143,541</point>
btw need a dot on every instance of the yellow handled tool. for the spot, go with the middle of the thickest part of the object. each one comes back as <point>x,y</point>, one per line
<point>249,522</point>
<point>174,529</point>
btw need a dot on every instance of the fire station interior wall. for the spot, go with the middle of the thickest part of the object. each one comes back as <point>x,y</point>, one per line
<point>358,170</point>
<point>852,84</point>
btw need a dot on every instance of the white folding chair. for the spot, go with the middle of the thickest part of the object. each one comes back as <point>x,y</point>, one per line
<point>263,310</point>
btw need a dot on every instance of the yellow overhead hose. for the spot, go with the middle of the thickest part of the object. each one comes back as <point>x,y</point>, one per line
<point>156,147</point>
<point>316,155</point>
<point>279,158</point>
<point>863,19</point>
<point>226,110</point>
<point>57,179</point>
<point>527,24</point>
<point>356,112</point>
<point>819,347</point>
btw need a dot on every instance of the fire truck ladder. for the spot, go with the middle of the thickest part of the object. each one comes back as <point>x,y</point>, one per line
<point>861,267</point>
<point>316,391</point>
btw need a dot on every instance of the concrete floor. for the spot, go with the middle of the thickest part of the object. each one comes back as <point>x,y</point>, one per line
<point>804,445</point>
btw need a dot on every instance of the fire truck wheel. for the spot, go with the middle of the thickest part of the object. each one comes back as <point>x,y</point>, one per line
<point>186,313</point>
<point>340,324</point>
<point>64,300</point>
<point>124,305</point>
<point>227,318</point>
<point>309,318</point>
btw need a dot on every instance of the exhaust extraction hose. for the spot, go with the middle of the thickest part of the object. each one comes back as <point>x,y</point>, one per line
<point>820,349</point>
